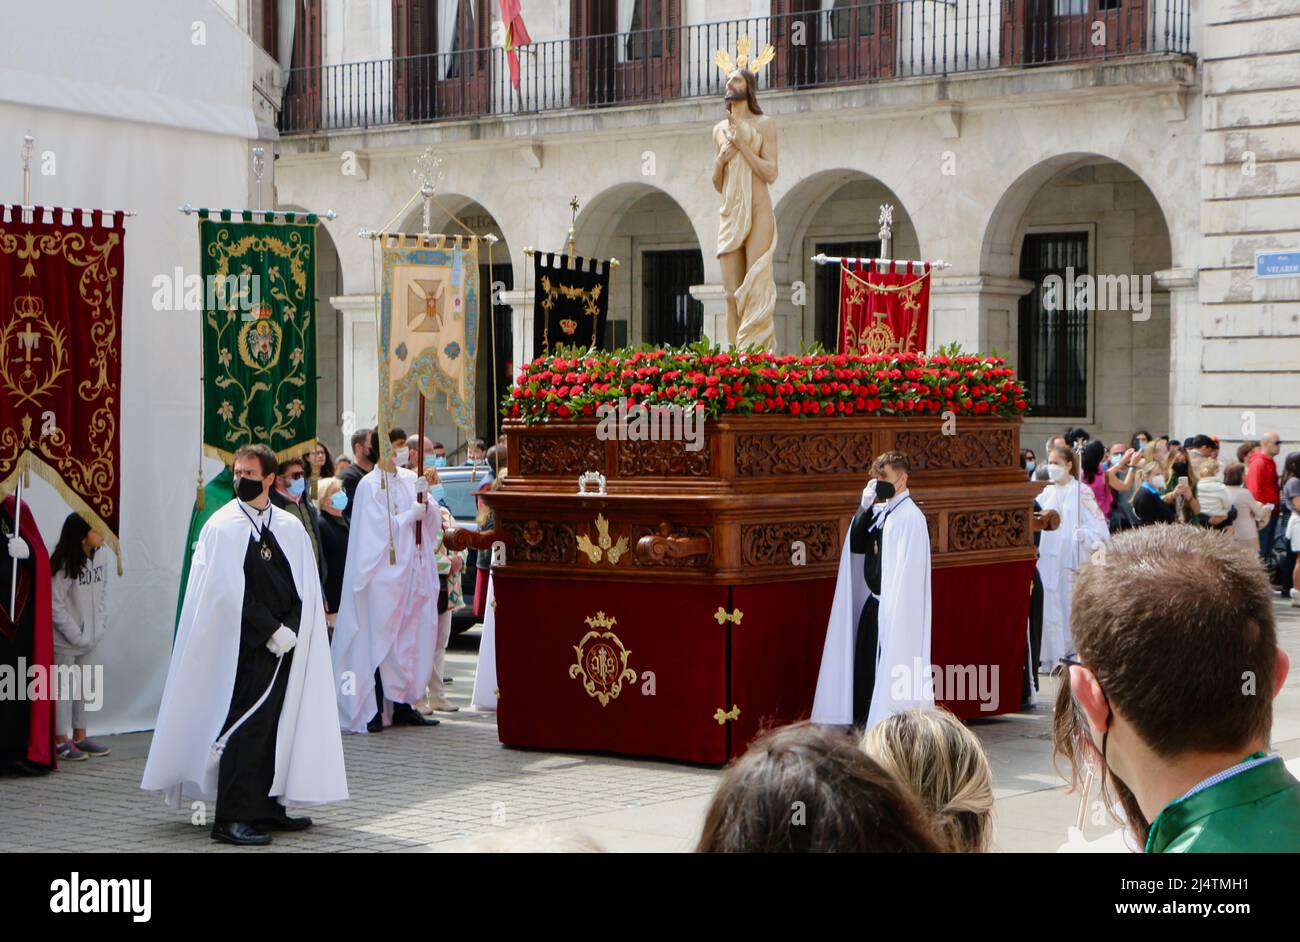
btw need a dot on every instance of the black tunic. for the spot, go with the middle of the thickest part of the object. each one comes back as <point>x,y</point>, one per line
<point>867,540</point>
<point>17,637</point>
<point>247,767</point>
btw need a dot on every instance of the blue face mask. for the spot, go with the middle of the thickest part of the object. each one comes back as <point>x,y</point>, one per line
<point>339,500</point>
<point>440,461</point>
<point>297,486</point>
<point>430,461</point>
<point>437,492</point>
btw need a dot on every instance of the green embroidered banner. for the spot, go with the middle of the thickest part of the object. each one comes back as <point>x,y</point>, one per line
<point>259,334</point>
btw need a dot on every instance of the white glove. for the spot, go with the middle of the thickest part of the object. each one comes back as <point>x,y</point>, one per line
<point>18,548</point>
<point>282,642</point>
<point>869,494</point>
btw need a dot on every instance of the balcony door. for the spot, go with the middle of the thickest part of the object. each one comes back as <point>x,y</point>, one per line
<point>441,58</point>
<point>301,35</point>
<point>1041,31</point>
<point>625,50</point>
<point>826,42</point>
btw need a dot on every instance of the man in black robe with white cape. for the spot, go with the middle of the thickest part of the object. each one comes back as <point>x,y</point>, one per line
<point>876,659</point>
<point>248,715</point>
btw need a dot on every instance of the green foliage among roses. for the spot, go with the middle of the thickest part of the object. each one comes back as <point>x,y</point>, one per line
<point>574,384</point>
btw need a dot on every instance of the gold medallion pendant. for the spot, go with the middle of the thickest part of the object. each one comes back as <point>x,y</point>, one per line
<point>602,660</point>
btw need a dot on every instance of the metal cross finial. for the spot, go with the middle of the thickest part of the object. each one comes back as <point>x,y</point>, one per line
<point>886,230</point>
<point>428,171</point>
<point>27,166</point>
<point>259,168</point>
<point>573,205</point>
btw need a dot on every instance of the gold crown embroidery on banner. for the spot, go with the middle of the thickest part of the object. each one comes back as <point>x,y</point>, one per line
<point>723,58</point>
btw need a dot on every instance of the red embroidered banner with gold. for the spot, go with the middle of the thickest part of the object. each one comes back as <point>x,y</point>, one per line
<point>60,357</point>
<point>883,311</point>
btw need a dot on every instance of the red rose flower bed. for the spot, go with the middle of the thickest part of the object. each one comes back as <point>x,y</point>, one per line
<point>744,383</point>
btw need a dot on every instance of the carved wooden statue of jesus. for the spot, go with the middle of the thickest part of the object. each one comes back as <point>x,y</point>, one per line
<point>744,166</point>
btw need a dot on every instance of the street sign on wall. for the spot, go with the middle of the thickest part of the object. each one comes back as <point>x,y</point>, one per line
<point>1277,264</point>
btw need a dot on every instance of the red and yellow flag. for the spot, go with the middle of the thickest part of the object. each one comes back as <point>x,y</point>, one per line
<point>516,35</point>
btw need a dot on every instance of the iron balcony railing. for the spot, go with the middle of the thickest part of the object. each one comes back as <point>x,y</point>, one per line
<point>868,42</point>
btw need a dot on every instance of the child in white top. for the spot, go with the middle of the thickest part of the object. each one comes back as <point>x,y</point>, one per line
<point>1210,491</point>
<point>79,583</point>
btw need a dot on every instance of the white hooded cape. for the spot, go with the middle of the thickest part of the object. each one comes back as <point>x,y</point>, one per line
<point>1060,553</point>
<point>201,679</point>
<point>903,665</point>
<point>388,612</point>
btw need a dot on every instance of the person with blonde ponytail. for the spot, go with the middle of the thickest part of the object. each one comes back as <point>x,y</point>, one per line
<point>943,764</point>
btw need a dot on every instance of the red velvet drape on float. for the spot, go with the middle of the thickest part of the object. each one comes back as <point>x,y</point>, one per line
<point>1000,642</point>
<point>653,670</point>
<point>61,355</point>
<point>883,309</point>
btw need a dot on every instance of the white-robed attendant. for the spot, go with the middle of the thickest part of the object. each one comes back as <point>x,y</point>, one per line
<point>385,634</point>
<point>485,694</point>
<point>1063,550</point>
<point>248,715</point>
<point>876,659</point>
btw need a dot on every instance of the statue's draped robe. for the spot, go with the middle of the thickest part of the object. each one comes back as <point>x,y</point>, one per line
<point>756,296</point>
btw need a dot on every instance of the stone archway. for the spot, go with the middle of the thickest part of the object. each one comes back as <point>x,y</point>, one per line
<point>835,211</point>
<point>1106,368</point>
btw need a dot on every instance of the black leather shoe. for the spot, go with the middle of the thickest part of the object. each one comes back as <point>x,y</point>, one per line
<point>283,823</point>
<point>406,715</point>
<point>27,769</point>
<point>376,724</point>
<point>241,833</point>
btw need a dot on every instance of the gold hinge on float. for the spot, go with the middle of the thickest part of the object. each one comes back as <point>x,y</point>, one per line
<point>723,616</point>
<point>722,715</point>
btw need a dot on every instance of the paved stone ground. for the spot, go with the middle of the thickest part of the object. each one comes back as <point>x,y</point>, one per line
<point>452,787</point>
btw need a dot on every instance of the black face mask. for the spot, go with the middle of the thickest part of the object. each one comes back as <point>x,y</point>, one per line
<point>373,454</point>
<point>248,489</point>
<point>1180,470</point>
<point>884,491</point>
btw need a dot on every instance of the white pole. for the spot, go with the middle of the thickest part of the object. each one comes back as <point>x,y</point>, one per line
<point>18,519</point>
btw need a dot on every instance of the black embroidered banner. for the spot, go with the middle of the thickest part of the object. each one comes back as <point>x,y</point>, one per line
<point>570,305</point>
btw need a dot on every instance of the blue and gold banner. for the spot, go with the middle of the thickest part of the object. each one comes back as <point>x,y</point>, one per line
<point>428,324</point>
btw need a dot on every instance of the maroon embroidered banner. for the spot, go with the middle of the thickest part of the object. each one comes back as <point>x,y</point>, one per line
<point>60,357</point>
<point>883,311</point>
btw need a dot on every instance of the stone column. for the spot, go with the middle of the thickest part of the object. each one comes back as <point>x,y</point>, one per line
<point>976,311</point>
<point>1185,379</point>
<point>714,299</point>
<point>521,324</point>
<point>359,386</point>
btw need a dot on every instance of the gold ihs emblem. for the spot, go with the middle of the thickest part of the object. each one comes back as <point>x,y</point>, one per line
<point>602,660</point>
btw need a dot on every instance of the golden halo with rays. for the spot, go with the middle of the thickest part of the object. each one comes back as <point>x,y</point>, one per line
<point>742,60</point>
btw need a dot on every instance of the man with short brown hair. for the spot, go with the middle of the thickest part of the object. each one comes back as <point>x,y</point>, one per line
<point>876,658</point>
<point>1177,667</point>
<point>247,714</point>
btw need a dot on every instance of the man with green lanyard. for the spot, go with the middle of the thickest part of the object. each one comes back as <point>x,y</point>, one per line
<point>1176,669</point>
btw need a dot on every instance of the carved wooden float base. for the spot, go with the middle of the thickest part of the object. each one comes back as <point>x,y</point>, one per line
<point>685,609</point>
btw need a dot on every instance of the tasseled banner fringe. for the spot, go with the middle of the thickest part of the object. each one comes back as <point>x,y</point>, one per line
<point>28,462</point>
